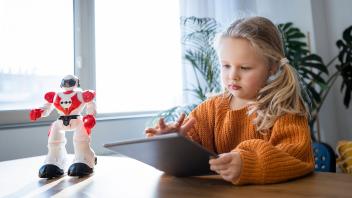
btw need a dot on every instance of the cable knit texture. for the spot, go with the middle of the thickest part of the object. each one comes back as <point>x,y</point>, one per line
<point>283,153</point>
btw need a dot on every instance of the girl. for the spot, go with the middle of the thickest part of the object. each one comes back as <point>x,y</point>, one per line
<point>259,124</point>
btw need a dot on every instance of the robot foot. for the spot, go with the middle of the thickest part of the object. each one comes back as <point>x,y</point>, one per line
<point>50,171</point>
<point>79,169</point>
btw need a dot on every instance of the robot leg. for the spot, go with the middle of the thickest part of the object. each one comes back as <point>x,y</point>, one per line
<point>56,158</point>
<point>85,158</point>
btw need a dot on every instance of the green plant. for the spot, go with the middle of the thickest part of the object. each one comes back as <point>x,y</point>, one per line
<point>199,53</point>
<point>315,74</point>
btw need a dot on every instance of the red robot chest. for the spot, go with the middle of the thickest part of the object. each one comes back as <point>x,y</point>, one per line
<point>66,106</point>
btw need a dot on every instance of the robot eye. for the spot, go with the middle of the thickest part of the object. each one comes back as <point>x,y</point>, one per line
<point>71,82</point>
<point>68,83</point>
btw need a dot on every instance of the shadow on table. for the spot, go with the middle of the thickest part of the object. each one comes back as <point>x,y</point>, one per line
<point>59,187</point>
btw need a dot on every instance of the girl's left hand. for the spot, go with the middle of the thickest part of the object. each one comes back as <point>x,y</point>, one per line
<point>228,165</point>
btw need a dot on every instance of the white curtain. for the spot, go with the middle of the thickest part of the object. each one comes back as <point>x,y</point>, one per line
<point>223,11</point>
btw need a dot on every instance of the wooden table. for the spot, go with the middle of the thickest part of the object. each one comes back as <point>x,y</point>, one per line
<point>116,176</point>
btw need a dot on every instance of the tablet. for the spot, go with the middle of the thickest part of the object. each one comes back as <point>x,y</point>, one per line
<point>171,153</point>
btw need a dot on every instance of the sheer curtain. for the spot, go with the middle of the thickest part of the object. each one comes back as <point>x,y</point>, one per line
<point>224,11</point>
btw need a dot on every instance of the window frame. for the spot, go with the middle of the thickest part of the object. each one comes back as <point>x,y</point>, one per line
<point>84,67</point>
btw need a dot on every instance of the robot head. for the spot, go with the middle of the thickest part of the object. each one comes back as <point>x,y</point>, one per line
<point>69,83</point>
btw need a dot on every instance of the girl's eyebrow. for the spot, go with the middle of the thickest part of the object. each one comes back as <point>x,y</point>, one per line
<point>224,63</point>
<point>242,64</point>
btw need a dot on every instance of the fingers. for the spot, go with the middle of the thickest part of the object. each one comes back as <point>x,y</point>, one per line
<point>162,124</point>
<point>151,131</point>
<point>228,165</point>
<point>148,135</point>
<point>186,126</point>
<point>230,174</point>
<point>225,171</point>
<point>220,164</point>
<point>228,177</point>
<point>163,128</point>
<point>222,159</point>
<point>180,120</point>
<point>219,168</point>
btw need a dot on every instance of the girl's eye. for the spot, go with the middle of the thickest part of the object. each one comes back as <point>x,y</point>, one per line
<point>226,66</point>
<point>245,68</point>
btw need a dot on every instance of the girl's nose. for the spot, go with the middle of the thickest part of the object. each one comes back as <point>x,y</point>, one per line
<point>234,74</point>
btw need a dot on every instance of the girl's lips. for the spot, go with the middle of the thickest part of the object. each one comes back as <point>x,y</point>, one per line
<point>234,87</point>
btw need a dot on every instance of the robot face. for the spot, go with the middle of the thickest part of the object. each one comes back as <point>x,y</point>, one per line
<point>69,82</point>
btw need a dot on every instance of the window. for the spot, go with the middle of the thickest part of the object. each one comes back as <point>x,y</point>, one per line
<point>138,55</point>
<point>36,50</point>
<point>128,51</point>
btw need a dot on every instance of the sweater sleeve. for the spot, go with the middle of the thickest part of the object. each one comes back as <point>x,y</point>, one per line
<point>202,131</point>
<point>288,153</point>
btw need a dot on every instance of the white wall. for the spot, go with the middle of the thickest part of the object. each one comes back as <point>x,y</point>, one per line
<point>338,17</point>
<point>283,11</point>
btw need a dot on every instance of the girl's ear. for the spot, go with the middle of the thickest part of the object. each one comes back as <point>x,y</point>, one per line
<point>273,69</point>
<point>274,73</point>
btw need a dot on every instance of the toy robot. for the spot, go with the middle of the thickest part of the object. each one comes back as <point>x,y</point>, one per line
<point>69,104</point>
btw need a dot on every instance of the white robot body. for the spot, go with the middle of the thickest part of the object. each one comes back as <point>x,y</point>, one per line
<point>69,105</point>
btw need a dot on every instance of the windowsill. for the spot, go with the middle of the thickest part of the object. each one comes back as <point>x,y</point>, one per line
<point>100,118</point>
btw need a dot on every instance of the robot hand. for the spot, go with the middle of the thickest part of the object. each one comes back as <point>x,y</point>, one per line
<point>35,114</point>
<point>89,122</point>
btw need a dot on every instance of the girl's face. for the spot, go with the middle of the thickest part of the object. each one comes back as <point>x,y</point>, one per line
<point>244,70</point>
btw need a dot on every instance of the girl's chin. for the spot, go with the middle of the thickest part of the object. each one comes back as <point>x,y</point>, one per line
<point>236,93</point>
<point>241,96</point>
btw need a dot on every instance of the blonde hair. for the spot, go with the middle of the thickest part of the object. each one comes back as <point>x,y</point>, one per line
<point>281,95</point>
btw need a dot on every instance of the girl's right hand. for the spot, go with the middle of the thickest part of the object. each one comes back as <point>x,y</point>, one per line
<point>163,128</point>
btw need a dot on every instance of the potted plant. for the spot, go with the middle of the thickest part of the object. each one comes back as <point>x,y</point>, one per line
<point>315,74</point>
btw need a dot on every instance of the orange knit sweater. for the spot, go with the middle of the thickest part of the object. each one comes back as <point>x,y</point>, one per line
<point>283,153</point>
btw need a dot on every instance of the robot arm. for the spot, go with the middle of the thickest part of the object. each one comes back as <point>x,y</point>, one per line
<point>89,119</point>
<point>35,114</point>
<point>88,98</point>
<point>45,110</point>
<point>89,122</point>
